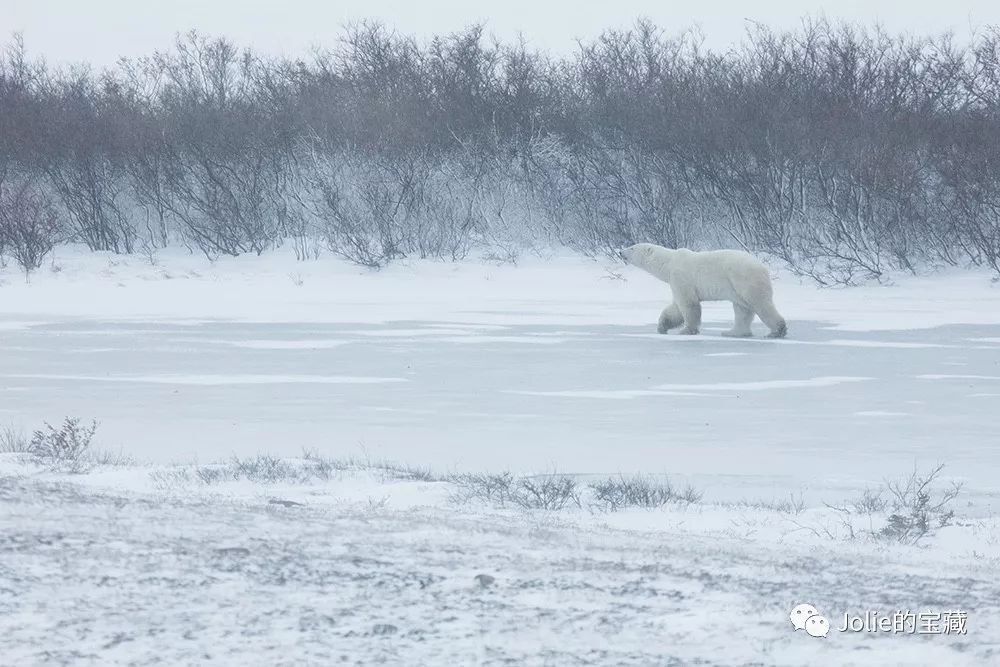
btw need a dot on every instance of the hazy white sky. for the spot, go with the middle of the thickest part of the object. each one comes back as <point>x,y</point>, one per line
<point>99,31</point>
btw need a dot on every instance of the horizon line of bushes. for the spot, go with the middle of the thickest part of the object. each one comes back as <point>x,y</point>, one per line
<point>845,151</point>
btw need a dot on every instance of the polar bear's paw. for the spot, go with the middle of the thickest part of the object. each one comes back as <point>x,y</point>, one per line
<point>780,332</point>
<point>670,318</point>
<point>688,331</point>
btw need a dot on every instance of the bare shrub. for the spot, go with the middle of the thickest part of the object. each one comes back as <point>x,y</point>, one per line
<point>791,505</point>
<point>617,493</point>
<point>916,509</point>
<point>226,204</point>
<point>260,469</point>
<point>543,492</point>
<point>548,492</point>
<point>115,459</point>
<point>65,446</point>
<point>13,441</point>
<point>391,470</point>
<point>29,225</point>
<point>365,205</point>
<point>269,469</point>
<point>905,510</point>
<point>387,470</point>
<point>90,190</point>
<point>870,502</point>
<point>450,215</point>
<point>490,488</point>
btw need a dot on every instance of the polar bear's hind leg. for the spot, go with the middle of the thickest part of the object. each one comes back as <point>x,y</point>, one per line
<point>770,316</point>
<point>670,318</point>
<point>741,326</point>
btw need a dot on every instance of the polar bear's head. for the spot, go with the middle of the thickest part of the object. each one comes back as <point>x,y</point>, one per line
<point>649,257</point>
<point>639,254</point>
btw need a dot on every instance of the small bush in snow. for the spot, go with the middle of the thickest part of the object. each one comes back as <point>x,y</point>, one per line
<point>791,505</point>
<point>489,488</point>
<point>550,492</point>
<point>13,441</point>
<point>616,493</point>
<point>915,509</point>
<point>870,502</point>
<point>545,492</point>
<point>64,445</point>
<point>268,469</point>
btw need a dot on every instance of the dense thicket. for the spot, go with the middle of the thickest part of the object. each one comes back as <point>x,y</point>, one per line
<point>845,151</point>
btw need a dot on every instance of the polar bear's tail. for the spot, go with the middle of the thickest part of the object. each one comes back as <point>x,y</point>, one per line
<point>770,316</point>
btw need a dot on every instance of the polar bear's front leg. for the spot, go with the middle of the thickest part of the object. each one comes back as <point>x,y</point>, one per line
<point>670,318</point>
<point>691,310</point>
<point>741,327</point>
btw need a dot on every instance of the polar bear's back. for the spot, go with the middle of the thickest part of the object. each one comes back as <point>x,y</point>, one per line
<point>723,275</point>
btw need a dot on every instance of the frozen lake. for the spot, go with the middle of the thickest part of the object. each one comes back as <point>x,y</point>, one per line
<point>824,409</point>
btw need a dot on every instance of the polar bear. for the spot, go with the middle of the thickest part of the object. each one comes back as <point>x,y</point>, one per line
<point>715,275</point>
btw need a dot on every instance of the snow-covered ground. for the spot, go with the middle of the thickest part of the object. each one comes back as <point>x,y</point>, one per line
<point>550,366</point>
<point>134,566</point>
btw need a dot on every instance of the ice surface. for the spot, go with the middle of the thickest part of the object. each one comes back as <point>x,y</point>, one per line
<point>777,417</point>
<point>210,380</point>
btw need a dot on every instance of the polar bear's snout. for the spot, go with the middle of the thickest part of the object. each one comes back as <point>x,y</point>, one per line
<point>627,254</point>
<point>638,254</point>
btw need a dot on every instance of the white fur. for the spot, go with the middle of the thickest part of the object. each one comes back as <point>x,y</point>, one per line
<point>715,275</point>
